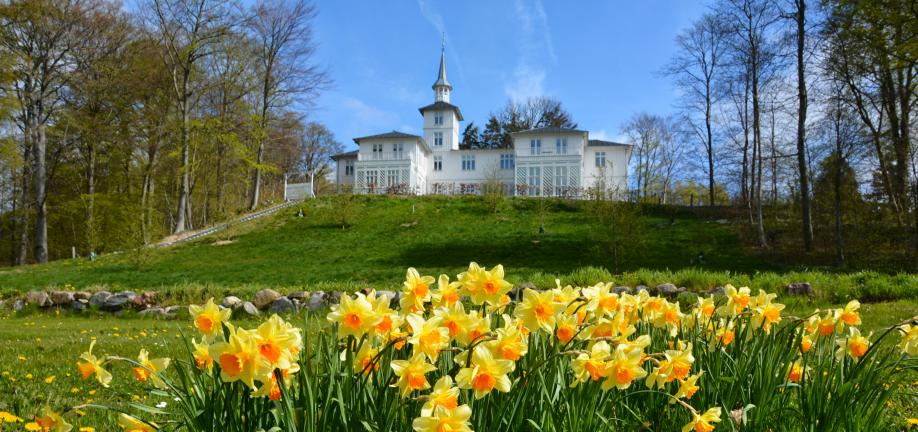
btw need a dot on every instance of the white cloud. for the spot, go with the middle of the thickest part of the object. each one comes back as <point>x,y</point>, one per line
<point>366,115</point>
<point>605,135</point>
<point>535,49</point>
<point>436,20</point>
<point>526,82</point>
<point>407,128</point>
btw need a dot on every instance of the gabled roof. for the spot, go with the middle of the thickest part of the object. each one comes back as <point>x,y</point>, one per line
<point>601,143</point>
<point>393,134</point>
<point>442,106</point>
<point>550,129</point>
<point>344,155</point>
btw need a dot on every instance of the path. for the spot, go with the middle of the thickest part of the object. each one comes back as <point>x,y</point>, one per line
<point>193,235</point>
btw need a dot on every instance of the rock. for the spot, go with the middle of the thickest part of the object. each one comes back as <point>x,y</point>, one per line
<point>118,301</point>
<point>333,297</point>
<point>152,312</point>
<point>231,302</point>
<point>250,309</point>
<point>800,288</point>
<point>144,300</point>
<point>265,297</point>
<point>718,290</point>
<point>79,306</point>
<point>621,289</point>
<point>516,293</point>
<point>640,288</point>
<point>18,305</point>
<point>172,311</point>
<point>38,298</point>
<point>316,301</point>
<point>668,290</point>
<point>299,295</point>
<point>82,295</point>
<point>386,293</point>
<point>283,305</point>
<point>98,298</point>
<point>61,298</point>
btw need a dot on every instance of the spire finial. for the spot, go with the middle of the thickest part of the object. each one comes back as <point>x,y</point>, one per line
<point>443,41</point>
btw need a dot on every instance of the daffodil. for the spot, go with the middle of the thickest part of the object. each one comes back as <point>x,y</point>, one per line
<point>483,373</point>
<point>454,318</point>
<point>209,319</point>
<point>131,424</point>
<point>50,421</point>
<point>428,336</point>
<point>364,359</point>
<point>389,319</point>
<point>854,344</point>
<point>806,342</point>
<point>829,324</point>
<point>765,312</point>
<point>509,344</point>
<point>592,365</point>
<point>676,366</point>
<point>469,281</point>
<point>445,420</point>
<point>444,394</point>
<point>447,293</point>
<point>412,373</point>
<point>91,365</point>
<point>623,368</point>
<point>601,301</point>
<point>150,369</point>
<point>416,291</point>
<point>796,371</point>
<point>537,310</point>
<point>355,316</point>
<point>703,422</point>
<point>566,328</point>
<point>669,317</point>
<point>201,354</point>
<point>737,300</point>
<point>688,387</point>
<point>849,315</point>
<point>909,342</point>
<point>278,342</point>
<point>492,286</point>
<point>239,357</point>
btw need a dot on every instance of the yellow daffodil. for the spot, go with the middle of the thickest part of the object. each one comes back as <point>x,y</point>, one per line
<point>355,316</point>
<point>669,317</point>
<point>444,420</point>
<point>688,387</point>
<point>592,365</point>
<point>765,312</point>
<point>412,373</point>
<point>493,287</point>
<point>737,300</point>
<point>478,325</point>
<point>469,282</point>
<point>510,344</point>
<point>484,373</point>
<point>209,319</point>
<point>454,318</point>
<point>278,342</point>
<point>600,300</point>
<point>389,319</point>
<point>849,315</point>
<point>239,357</point>
<point>364,359</point>
<point>447,293</point>
<point>150,369</point>
<point>854,344</point>
<point>416,291</point>
<point>829,324</point>
<point>676,366</point>
<point>90,365</point>
<point>201,354</point>
<point>50,421</point>
<point>428,336</point>
<point>623,368</point>
<point>703,422</point>
<point>796,371</point>
<point>566,327</point>
<point>537,310</point>
<point>806,342</point>
<point>909,342</point>
<point>131,424</point>
<point>444,394</point>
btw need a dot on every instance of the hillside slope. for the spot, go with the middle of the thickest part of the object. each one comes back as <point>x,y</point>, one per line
<point>386,235</point>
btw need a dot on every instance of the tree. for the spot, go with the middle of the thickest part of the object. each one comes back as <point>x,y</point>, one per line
<point>188,30</point>
<point>656,154</point>
<point>318,146</point>
<point>470,136</point>
<point>284,46</point>
<point>518,116</point>
<point>799,17</point>
<point>695,67</point>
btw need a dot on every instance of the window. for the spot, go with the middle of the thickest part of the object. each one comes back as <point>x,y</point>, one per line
<point>392,178</point>
<point>349,168</point>
<point>438,139</point>
<point>468,162</point>
<point>506,161</point>
<point>438,163</point>
<point>561,146</point>
<point>534,181</point>
<point>438,118</point>
<point>372,180</point>
<point>535,146</point>
<point>377,151</point>
<point>600,159</point>
<point>561,181</point>
<point>398,151</point>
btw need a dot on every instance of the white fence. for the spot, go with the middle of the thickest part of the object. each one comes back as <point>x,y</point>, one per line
<point>297,191</point>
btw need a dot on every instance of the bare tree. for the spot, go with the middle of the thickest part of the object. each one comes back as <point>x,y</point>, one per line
<point>695,67</point>
<point>799,17</point>
<point>283,34</point>
<point>188,30</point>
<point>656,153</point>
<point>318,145</point>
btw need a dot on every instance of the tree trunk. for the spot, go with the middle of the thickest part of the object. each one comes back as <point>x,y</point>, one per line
<point>39,175</point>
<point>185,170</point>
<point>801,127</point>
<point>91,192</point>
<point>757,148</point>
<point>710,149</point>
<point>839,227</point>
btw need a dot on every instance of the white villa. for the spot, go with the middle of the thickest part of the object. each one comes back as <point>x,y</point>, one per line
<point>555,162</point>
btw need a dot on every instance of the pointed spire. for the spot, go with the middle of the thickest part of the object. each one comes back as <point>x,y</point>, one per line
<point>441,78</point>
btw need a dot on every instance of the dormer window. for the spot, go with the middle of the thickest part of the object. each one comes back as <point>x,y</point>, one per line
<point>438,118</point>
<point>398,151</point>
<point>561,146</point>
<point>377,151</point>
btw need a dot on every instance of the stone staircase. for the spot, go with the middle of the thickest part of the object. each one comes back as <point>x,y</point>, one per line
<point>194,235</point>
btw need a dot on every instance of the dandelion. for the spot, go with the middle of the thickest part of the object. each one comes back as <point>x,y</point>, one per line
<point>7,417</point>
<point>485,373</point>
<point>444,419</point>
<point>132,424</point>
<point>150,369</point>
<point>209,319</point>
<point>93,366</point>
<point>411,373</point>
<point>537,310</point>
<point>702,423</point>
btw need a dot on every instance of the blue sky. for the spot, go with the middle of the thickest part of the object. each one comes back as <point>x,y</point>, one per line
<point>600,58</point>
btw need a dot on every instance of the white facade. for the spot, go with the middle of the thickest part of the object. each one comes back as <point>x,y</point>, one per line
<point>551,161</point>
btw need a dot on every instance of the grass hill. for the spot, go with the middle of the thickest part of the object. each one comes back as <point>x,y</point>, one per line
<point>436,235</point>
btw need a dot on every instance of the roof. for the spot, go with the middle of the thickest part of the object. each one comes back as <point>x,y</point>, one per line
<point>601,143</point>
<point>441,106</point>
<point>550,129</point>
<point>393,134</point>
<point>441,78</point>
<point>352,153</point>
